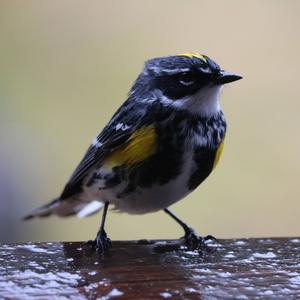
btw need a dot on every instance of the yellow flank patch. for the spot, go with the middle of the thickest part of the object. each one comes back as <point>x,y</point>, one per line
<point>218,154</point>
<point>140,145</point>
<point>191,55</point>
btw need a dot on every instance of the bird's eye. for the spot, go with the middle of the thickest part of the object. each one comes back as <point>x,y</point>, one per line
<point>186,79</point>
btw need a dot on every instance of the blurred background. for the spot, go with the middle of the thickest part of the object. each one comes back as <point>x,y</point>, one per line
<point>66,66</point>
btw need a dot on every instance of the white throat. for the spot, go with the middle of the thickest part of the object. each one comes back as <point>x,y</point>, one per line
<point>205,102</point>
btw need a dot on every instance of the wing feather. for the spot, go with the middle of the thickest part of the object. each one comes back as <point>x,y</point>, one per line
<point>113,136</point>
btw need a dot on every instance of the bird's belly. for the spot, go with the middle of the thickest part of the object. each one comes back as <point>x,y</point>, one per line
<point>154,198</point>
<point>136,199</point>
<point>151,197</point>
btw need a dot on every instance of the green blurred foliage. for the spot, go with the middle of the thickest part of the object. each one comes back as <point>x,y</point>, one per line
<point>65,66</point>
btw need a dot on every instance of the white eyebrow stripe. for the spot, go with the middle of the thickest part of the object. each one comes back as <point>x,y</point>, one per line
<point>158,70</point>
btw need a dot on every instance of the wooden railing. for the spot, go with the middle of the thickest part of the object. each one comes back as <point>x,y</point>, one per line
<point>233,269</point>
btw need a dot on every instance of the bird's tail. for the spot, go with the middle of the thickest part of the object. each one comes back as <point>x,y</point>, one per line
<point>44,210</point>
<point>65,208</point>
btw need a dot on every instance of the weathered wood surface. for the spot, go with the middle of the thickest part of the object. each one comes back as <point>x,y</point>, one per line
<point>236,269</point>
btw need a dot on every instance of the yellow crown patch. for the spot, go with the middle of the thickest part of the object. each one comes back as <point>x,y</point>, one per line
<point>191,55</point>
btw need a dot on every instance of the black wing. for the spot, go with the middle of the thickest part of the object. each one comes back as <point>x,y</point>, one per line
<point>114,135</point>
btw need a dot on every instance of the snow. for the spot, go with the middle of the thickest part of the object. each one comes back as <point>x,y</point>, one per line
<point>264,255</point>
<point>34,248</point>
<point>30,283</point>
<point>268,292</point>
<point>161,243</point>
<point>204,270</point>
<point>113,293</point>
<point>166,295</point>
<point>224,274</point>
<point>91,286</point>
<point>190,290</point>
<point>70,259</point>
<point>295,280</point>
<point>196,253</point>
<point>93,273</point>
<point>229,256</point>
<point>240,243</point>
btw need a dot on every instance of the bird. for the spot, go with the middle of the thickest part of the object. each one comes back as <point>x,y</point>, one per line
<point>159,146</point>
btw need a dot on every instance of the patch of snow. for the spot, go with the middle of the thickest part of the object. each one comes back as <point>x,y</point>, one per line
<point>295,280</point>
<point>91,286</point>
<point>34,248</point>
<point>35,265</point>
<point>166,295</point>
<point>264,255</point>
<point>32,284</point>
<point>266,241</point>
<point>224,274</point>
<point>213,244</point>
<point>268,292</point>
<point>6,247</point>
<point>196,253</point>
<point>191,290</point>
<point>292,273</point>
<point>240,243</point>
<point>161,243</point>
<point>204,270</point>
<point>63,277</point>
<point>70,259</point>
<point>229,256</point>
<point>93,273</point>
<point>113,293</point>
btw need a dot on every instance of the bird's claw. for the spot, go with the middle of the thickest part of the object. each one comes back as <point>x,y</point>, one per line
<point>195,242</point>
<point>210,238</point>
<point>101,243</point>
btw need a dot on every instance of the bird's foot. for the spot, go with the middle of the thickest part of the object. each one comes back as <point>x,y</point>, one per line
<point>101,243</point>
<point>195,242</point>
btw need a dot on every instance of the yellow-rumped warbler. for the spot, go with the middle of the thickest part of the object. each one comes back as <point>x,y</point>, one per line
<point>159,146</point>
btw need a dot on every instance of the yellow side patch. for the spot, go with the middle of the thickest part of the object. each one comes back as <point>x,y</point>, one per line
<point>191,55</point>
<point>218,154</point>
<point>140,145</point>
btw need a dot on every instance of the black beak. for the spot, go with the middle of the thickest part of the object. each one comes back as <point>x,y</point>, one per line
<point>226,77</point>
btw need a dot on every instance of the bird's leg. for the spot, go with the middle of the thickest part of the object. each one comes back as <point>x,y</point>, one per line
<point>101,243</point>
<point>191,239</point>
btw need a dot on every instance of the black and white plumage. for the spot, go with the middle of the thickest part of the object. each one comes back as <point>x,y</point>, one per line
<point>159,146</point>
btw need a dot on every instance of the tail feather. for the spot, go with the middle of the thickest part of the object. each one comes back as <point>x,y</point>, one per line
<point>90,209</point>
<point>65,208</point>
<point>43,211</point>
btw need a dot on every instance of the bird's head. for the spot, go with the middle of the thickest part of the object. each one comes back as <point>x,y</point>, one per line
<point>185,81</point>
